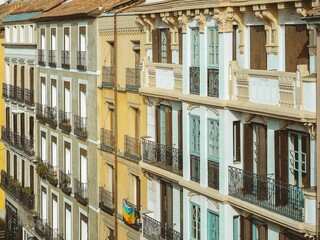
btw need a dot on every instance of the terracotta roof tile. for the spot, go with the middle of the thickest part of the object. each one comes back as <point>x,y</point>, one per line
<point>37,6</point>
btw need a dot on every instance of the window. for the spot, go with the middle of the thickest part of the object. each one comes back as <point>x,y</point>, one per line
<point>30,33</point>
<point>54,152</point>
<point>213,226</point>
<point>195,221</point>
<point>299,165</point>
<point>67,158</point>
<point>236,235</point>
<point>67,107</point>
<point>15,167</point>
<point>234,42</point>
<point>68,222</point>
<point>83,227</point>
<point>195,134</point>
<point>66,39</point>
<point>236,141</point>
<point>31,178</point>
<point>83,166</point>
<point>213,140</point>
<point>82,100</point>
<point>258,54</point>
<point>161,45</point>
<point>82,39</point>
<point>213,47</point>
<point>15,34</point>
<point>54,213</point>
<point>7,34</point>
<point>164,125</point>
<point>44,208</point>
<point>43,38</point>
<point>53,38</point>
<point>43,90</point>
<point>22,173</point>
<point>53,93</point>
<point>21,34</point>
<point>195,47</point>
<point>8,162</point>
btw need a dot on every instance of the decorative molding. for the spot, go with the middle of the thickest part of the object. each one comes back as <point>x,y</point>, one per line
<point>121,32</point>
<point>215,111</point>
<point>214,203</point>
<point>311,129</point>
<point>224,19</point>
<point>239,18</point>
<point>184,21</point>
<point>300,8</point>
<point>173,23</point>
<point>202,21</point>
<point>191,107</point>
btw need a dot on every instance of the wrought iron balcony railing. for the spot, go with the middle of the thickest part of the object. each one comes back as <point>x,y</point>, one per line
<point>5,90</point>
<point>268,193</point>
<point>29,146</point>
<point>132,148</point>
<point>29,97</point>
<point>133,79</point>
<point>195,168</point>
<point>106,140</point>
<point>20,94</point>
<point>52,234</point>
<point>80,126</point>
<point>41,57</point>
<point>153,229</point>
<point>42,167</point>
<point>52,58</point>
<point>4,180</point>
<point>213,175</point>
<point>80,192</point>
<point>64,121</point>
<point>163,156</point>
<point>82,60</point>
<point>194,80</point>
<point>52,174</point>
<point>50,114</point>
<point>213,82</point>
<point>40,111</point>
<point>6,135</point>
<point>65,59</point>
<point>41,228</point>
<point>65,182</point>
<point>12,92</point>
<point>28,200</point>
<point>107,77</point>
<point>106,200</point>
<point>14,188</point>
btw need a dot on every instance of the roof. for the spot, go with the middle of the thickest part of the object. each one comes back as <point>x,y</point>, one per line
<point>7,8</point>
<point>29,6</point>
<point>20,17</point>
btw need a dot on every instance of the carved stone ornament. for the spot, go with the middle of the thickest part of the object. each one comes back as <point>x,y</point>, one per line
<point>201,20</point>
<point>224,19</point>
<point>183,20</point>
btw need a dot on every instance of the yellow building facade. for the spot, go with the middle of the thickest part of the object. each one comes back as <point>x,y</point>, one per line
<point>122,117</point>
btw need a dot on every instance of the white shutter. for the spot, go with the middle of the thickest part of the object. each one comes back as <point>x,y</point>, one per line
<point>84,231</point>
<point>54,154</point>
<point>43,148</point>
<point>55,225</point>
<point>83,177</point>
<point>68,160</point>
<point>44,205</point>
<point>68,225</point>
<point>53,95</point>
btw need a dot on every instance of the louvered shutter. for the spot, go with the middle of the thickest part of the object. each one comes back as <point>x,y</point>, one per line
<point>158,130</point>
<point>169,51</point>
<point>262,163</point>
<point>8,162</point>
<point>263,231</point>
<point>248,158</point>
<point>156,45</point>
<point>32,178</point>
<point>22,173</point>
<point>258,54</point>
<point>169,210</point>
<point>168,126</point>
<point>245,228</point>
<point>306,181</point>
<point>31,80</point>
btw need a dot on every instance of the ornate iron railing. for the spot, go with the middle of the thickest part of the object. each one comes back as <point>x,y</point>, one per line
<point>132,148</point>
<point>52,58</point>
<point>14,188</point>
<point>166,157</point>
<point>194,80</point>
<point>29,97</point>
<point>28,200</point>
<point>80,192</point>
<point>52,234</point>
<point>5,134</point>
<point>213,175</point>
<point>195,168</point>
<point>132,79</point>
<point>64,121</point>
<point>80,126</point>
<point>271,194</point>
<point>18,142</point>
<point>20,94</point>
<point>213,82</point>
<point>107,77</point>
<point>41,57</point>
<point>106,200</point>
<point>28,146</point>
<point>52,174</point>
<point>65,59</point>
<point>40,111</point>
<point>153,229</point>
<point>4,180</point>
<point>65,182</point>
<point>82,60</point>
<point>41,228</point>
<point>12,92</point>
<point>5,90</point>
<point>51,116</point>
<point>106,140</point>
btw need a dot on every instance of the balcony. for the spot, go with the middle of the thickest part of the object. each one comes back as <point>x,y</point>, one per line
<point>106,201</point>
<point>132,149</point>
<point>132,79</point>
<point>271,194</point>
<point>52,176</point>
<point>41,57</point>
<point>29,97</point>
<point>64,121</point>
<point>40,112</point>
<point>12,138</point>
<point>80,126</point>
<point>195,168</point>
<point>6,135</point>
<point>4,180</point>
<point>5,90</point>
<point>65,182</point>
<point>29,146</point>
<point>12,92</point>
<point>27,198</point>
<point>20,94</point>
<point>41,228</point>
<point>65,59</point>
<point>52,58</point>
<point>213,175</point>
<point>107,77</point>
<point>280,90</point>
<point>153,229</point>
<point>80,192</point>
<point>132,219</point>
<point>165,157</point>
<point>50,114</point>
<point>81,60</point>
<point>194,80</point>
<point>213,82</point>
<point>52,234</point>
<point>162,76</point>
<point>106,140</point>
<point>42,168</point>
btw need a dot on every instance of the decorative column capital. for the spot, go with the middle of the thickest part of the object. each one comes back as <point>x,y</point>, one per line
<point>224,19</point>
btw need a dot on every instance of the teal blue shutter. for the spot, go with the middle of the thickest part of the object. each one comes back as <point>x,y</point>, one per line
<point>236,228</point>
<point>195,222</point>
<point>213,140</point>
<point>195,47</point>
<point>213,226</point>
<point>195,135</point>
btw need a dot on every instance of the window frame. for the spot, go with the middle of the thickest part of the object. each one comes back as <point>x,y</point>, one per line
<point>192,221</point>
<point>195,55</point>
<point>193,150</point>
<point>213,50</point>
<point>215,140</point>
<point>216,234</point>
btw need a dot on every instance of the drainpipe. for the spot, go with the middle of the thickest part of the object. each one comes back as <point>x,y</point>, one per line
<point>115,95</point>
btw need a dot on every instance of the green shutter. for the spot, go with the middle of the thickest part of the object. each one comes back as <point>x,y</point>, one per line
<point>213,226</point>
<point>195,135</point>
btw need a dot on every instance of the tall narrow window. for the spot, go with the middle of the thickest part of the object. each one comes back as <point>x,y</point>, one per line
<point>195,134</point>
<point>234,42</point>
<point>258,54</point>
<point>53,93</point>
<point>30,33</point>
<point>236,141</point>
<point>65,63</point>
<point>82,39</point>
<point>53,38</point>
<point>31,178</point>
<point>68,222</point>
<point>195,222</point>
<point>22,80</point>
<point>83,100</point>
<point>43,92</point>
<point>44,207</point>
<point>236,232</point>
<point>21,34</point>
<point>83,227</point>
<point>195,48</point>
<point>15,167</point>
<point>31,79</point>
<point>213,226</point>
<point>43,146</point>
<point>54,151</point>
<point>161,45</point>
<point>67,158</point>
<point>52,51</point>
<point>22,173</point>
<point>54,214</point>
<point>67,107</point>
<point>83,166</point>
<point>15,34</point>
<point>43,38</point>
<point>213,47</point>
<point>8,162</point>
<point>213,140</point>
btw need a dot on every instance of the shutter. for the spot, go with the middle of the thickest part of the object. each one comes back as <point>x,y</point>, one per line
<point>15,75</point>
<point>163,202</point>
<point>169,51</point>
<point>32,178</point>
<point>258,54</point>
<point>138,194</point>
<point>8,118</point>
<point>168,126</point>
<point>262,152</point>
<point>248,158</point>
<point>158,130</point>
<point>263,231</point>
<point>169,210</point>
<point>15,123</point>
<point>22,77</point>
<point>282,236</point>
<point>22,173</point>
<point>180,35</point>
<point>15,163</point>
<point>234,42</point>
<point>180,145</point>
<point>22,128</point>
<point>31,124</point>
<point>155,45</point>
<point>236,135</point>
<point>8,162</point>
<point>31,79</point>
<point>245,228</point>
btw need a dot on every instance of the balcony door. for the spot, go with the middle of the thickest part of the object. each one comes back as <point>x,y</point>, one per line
<point>82,102</point>
<point>43,146</point>
<point>67,107</point>
<point>53,93</point>
<point>68,222</point>
<point>43,91</point>
<point>164,125</point>
<point>258,54</point>
<point>67,157</point>
<point>83,166</point>
<point>44,208</point>
<point>55,210</point>
<point>83,227</point>
<point>54,158</point>
<point>166,205</point>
